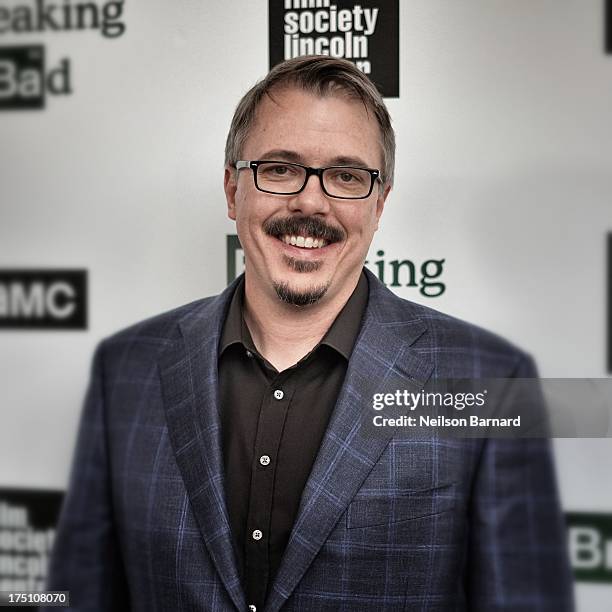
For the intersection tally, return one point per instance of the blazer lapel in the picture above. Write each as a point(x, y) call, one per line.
point(190, 390)
point(382, 358)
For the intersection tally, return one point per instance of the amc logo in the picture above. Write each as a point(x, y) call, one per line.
point(24, 81)
point(43, 299)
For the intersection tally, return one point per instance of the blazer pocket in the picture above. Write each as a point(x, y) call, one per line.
point(368, 511)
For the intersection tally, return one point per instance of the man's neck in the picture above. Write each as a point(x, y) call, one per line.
point(284, 333)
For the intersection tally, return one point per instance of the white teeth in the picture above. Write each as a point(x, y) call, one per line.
point(305, 243)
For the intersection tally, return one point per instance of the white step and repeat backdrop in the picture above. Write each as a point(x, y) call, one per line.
point(113, 117)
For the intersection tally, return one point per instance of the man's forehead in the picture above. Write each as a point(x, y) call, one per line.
point(298, 157)
point(285, 97)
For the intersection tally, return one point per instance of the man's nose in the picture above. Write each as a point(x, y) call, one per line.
point(311, 200)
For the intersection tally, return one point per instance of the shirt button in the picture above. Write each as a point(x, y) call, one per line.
point(278, 394)
point(253, 608)
point(257, 535)
point(249, 354)
point(264, 460)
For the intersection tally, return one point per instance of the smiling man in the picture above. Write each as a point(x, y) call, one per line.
point(224, 460)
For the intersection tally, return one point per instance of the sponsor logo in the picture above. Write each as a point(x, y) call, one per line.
point(27, 530)
point(44, 16)
point(608, 26)
point(43, 299)
point(24, 80)
point(424, 277)
point(590, 546)
point(609, 277)
point(235, 257)
point(366, 32)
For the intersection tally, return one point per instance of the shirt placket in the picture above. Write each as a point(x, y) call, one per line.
point(273, 412)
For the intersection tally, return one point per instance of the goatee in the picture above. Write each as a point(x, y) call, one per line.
point(302, 298)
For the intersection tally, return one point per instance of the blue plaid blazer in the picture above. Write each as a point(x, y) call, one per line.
point(385, 523)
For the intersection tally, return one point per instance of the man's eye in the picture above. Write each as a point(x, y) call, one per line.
point(278, 170)
point(347, 176)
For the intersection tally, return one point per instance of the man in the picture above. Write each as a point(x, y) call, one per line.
point(224, 460)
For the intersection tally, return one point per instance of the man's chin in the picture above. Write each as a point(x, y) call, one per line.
point(300, 296)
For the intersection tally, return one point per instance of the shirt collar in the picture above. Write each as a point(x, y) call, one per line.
point(343, 332)
point(341, 335)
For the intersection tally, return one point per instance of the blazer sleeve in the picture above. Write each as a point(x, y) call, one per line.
point(517, 544)
point(86, 558)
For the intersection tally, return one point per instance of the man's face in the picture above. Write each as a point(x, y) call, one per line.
point(296, 126)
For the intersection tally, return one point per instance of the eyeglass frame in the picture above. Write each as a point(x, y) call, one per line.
point(254, 164)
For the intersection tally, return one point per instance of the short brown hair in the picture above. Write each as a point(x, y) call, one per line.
point(321, 75)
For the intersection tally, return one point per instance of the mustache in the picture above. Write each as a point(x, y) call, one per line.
point(303, 226)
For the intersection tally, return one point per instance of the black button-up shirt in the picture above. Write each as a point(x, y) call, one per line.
point(272, 426)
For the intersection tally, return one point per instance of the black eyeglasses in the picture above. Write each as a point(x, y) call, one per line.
point(284, 178)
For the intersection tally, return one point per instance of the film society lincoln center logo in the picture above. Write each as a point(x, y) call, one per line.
point(366, 32)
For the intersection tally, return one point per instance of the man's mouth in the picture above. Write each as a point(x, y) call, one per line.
point(303, 232)
point(305, 242)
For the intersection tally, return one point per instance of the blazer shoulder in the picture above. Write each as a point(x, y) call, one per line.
point(154, 334)
point(453, 342)
point(496, 355)
point(462, 329)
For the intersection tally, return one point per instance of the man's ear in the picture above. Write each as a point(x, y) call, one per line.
point(380, 202)
point(229, 186)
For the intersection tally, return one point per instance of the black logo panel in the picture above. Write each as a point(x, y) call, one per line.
point(366, 32)
point(22, 77)
point(43, 299)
